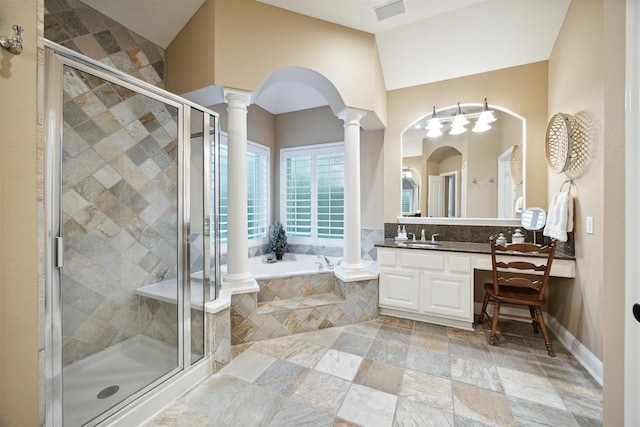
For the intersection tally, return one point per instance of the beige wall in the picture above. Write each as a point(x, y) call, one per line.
point(576, 87)
point(371, 179)
point(586, 78)
point(19, 329)
point(190, 58)
point(252, 40)
point(522, 90)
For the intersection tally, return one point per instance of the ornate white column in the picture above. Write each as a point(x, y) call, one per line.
point(352, 262)
point(238, 272)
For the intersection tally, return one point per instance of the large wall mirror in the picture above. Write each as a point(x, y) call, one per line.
point(472, 170)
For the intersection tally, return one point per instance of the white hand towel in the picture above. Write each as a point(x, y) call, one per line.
point(559, 217)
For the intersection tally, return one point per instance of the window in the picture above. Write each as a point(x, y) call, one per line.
point(258, 179)
point(312, 193)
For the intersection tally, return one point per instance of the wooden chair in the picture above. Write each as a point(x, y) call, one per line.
point(529, 291)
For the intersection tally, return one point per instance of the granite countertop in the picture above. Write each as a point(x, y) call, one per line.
point(481, 248)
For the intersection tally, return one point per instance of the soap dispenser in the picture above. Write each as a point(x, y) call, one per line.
point(501, 240)
point(517, 237)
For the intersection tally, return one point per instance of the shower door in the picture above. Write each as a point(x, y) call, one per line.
point(127, 314)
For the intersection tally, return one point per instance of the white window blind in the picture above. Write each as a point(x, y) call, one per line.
point(312, 191)
point(298, 196)
point(258, 179)
point(330, 192)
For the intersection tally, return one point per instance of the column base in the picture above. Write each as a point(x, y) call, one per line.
point(366, 270)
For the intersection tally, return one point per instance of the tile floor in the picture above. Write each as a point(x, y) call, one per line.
point(394, 372)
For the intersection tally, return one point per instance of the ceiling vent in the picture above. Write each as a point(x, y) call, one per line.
point(389, 10)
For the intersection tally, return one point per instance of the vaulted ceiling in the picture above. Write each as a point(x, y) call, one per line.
point(432, 40)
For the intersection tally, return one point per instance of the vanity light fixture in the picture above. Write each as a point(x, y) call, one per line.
point(481, 126)
point(434, 121)
point(434, 133)
point(487, 115)
point(459, 123)
point(434, 125)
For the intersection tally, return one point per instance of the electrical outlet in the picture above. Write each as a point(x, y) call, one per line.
point(589, 225)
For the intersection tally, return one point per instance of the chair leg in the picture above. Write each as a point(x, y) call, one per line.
point(483, 312)
point(547, 341)
point(534, 321)
point(494, 323)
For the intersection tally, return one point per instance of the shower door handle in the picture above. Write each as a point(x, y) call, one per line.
point(59, 252)
point(207, 226)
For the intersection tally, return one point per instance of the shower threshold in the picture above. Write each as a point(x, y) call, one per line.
point(98, 382)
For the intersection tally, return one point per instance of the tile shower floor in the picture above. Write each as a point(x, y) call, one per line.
point(394, 372)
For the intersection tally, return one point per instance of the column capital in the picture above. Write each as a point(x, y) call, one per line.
point(242, 96)
point(351, 116)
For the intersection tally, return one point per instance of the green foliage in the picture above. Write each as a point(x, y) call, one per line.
point(278, 238)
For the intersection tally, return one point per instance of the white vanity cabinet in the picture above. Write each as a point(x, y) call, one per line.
point(432, 286)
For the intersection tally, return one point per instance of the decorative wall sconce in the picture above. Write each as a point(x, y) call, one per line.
point(13, 44)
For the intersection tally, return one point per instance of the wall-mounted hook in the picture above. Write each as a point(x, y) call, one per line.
point(13, 44)
point(475, 181)
point(491, 180)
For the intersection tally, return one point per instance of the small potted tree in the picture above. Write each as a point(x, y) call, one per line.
point(278, 240)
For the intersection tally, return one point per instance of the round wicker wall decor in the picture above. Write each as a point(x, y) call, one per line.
point(559, 141)
point(516, 164)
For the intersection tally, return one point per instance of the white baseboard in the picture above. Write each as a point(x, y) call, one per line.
point(588, 360)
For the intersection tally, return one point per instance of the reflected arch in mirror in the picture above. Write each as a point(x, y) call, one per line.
point(410, 192)
point(443, 189)
point(480, 151)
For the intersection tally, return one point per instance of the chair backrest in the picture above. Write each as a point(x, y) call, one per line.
point(539, 265)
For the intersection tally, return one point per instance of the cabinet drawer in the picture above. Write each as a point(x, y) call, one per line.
point(423, 261)
point(387, 257)
point(460, 264)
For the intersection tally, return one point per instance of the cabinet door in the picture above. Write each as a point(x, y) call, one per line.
point(400, 289)
point(447, 295)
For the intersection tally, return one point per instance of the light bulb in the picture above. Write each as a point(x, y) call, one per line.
point(434, 132)
point(481, 126)
point(459, 120)
point(434, 123)
point(486, 115)
point(457, 130)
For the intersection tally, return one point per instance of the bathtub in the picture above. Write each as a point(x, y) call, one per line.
point(290, 265)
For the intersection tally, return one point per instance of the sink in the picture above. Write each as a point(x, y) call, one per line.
point(423, 244)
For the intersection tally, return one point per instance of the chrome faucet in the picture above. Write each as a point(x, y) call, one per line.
point(329, 264)
point(433, 237)
point(414, 236)
point(422, 238)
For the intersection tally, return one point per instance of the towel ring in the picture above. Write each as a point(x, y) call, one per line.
point(570, 181)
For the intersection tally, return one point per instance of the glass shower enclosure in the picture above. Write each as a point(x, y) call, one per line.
point(129, 197)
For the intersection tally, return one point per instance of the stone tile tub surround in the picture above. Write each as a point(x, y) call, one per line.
point(235, 317)
point(475, 234)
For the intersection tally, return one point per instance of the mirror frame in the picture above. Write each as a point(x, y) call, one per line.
point(470, 221)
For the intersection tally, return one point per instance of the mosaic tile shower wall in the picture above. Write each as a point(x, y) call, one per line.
point(120, 208)
point(80, 28)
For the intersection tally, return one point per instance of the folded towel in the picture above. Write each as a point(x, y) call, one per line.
point(519, 205)
point(559, 217)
